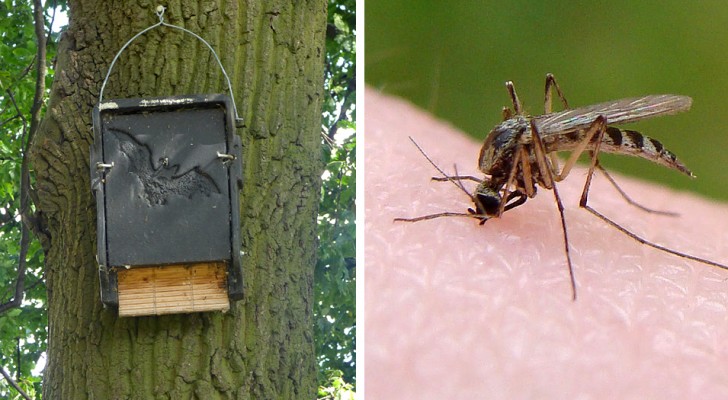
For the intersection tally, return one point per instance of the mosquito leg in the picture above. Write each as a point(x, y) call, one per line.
point(438, 215)
point(629, 200)
point(598, 127)
point(547, 107)
point(460, 182)
point(511, 178)
point(594, 160)
point(457, 177)
point(514, 98)
point(585, 197)
point(454, 181)
point(550, 84)
point(507, 113)
point(651, 244)
point(457, 181)
point(521, 198)
point(554, 163)
point(527, 176)
point(544, 166)
point(566, 242)
point(546, 173)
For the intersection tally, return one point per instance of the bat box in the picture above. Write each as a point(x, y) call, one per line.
point(166, 173)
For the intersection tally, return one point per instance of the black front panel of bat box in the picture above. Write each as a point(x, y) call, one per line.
point(167, 197)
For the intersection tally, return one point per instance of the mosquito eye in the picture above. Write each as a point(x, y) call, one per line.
point(488, 204)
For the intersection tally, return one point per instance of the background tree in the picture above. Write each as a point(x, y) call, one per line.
point(261, 347)
point(23, 328)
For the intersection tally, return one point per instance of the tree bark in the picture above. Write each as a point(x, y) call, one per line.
point(263, 347)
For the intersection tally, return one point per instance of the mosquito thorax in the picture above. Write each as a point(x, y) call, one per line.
point(497, 150)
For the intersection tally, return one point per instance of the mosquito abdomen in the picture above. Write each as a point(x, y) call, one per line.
point(625, 141)
point(621, 141)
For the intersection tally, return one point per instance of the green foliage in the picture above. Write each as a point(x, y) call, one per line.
point(335, 388)
point(340, 80)
point(23, 330)
point(335, 285)
point(334, 280)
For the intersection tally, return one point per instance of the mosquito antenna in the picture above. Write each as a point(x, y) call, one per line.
point(460, 181)
point(448, 177)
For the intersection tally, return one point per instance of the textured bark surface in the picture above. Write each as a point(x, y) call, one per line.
point(263, 347)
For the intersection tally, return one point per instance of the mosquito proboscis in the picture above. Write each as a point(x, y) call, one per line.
point(521, 152)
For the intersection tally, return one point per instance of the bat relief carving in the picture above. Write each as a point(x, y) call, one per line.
point(162, 182)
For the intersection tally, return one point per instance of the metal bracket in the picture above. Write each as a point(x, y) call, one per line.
point(104, 167)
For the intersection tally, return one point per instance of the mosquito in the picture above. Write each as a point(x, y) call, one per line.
point(521, 153)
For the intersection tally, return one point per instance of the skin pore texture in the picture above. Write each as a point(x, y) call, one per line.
point(457, 310)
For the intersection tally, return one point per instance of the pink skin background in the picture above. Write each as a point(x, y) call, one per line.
point(454, 310)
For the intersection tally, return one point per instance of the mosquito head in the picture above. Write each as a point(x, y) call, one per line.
point(487, 200)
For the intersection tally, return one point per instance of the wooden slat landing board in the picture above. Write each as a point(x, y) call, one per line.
point(173, 289)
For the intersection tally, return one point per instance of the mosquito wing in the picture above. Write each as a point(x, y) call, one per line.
point(616, 112)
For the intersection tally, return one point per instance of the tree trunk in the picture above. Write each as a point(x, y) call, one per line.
point(263, 347)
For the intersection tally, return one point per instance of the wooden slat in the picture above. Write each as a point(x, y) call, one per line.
point(173, 289)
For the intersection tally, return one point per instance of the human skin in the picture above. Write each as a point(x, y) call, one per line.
point(458, 310)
